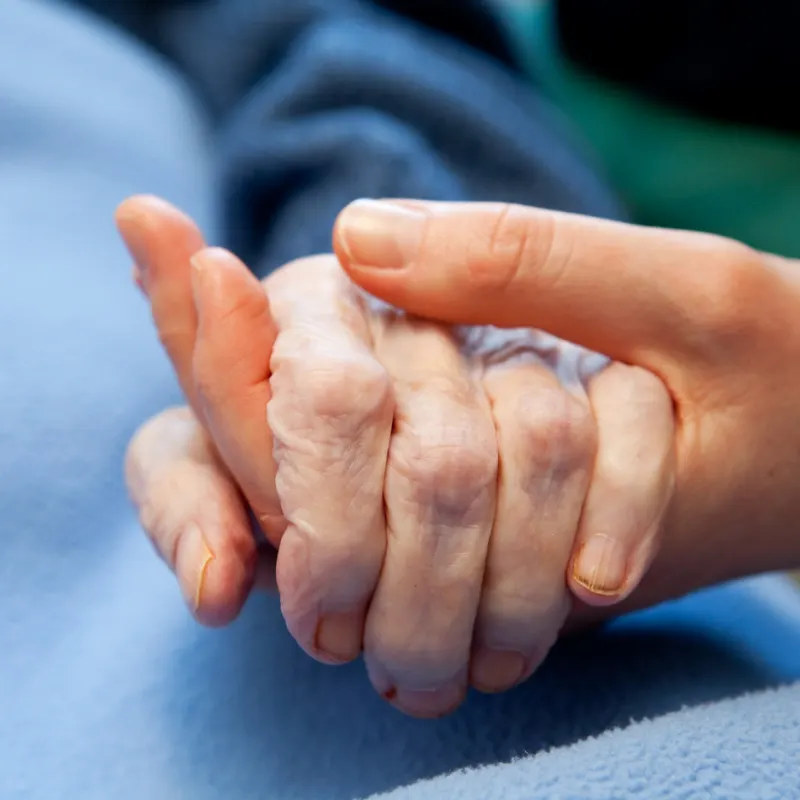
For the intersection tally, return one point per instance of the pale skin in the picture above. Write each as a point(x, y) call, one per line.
point(438, 496)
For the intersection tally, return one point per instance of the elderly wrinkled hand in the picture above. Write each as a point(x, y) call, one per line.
point(436, 495)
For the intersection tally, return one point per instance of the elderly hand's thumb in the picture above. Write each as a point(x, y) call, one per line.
point(632, 293)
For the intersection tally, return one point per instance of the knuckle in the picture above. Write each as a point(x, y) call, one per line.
point(535, 602)
point(730, 291)
point(353, 390)
point(555, 430)
point(526, 580)
point(520, 240)
point(448, 465)
point(646, 391)
point(495, 267)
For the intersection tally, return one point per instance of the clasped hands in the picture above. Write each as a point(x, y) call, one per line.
point(438, 483)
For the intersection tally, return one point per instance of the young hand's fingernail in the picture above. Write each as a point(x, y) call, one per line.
point(199, 266)
point(200, 282)
point(339, 637)
point(494, 671)
point(379, 234)
point(131, 236)
point(193, 559)
point(601, 566)
point(138, 279)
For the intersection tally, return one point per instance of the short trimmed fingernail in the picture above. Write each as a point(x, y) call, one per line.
point(380, 234)
point(339, 637)
point(193, 559)
point(201, 276)
point(494, 671)
point(429, 704)
point(601, 565)
point(135, 245)
point(199, 265)
point(138, 279)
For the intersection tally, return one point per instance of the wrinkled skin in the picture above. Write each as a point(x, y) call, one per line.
point(438, 496)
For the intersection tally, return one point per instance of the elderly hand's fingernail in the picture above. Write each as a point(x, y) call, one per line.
point(339, 637)
point(192, 561)
point(494, 671)
point(601, 566)
point(431, 704)
point(380, 234)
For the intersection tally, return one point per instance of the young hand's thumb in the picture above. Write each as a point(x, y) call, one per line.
point(641, 295)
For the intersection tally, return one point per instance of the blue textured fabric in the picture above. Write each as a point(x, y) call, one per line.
point(107, 688)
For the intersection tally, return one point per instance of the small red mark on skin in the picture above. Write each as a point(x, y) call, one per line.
point(390, 694)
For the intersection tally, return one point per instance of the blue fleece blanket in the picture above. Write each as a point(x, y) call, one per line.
point(107, 688)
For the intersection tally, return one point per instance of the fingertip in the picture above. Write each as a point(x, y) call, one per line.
point(606, 570)
point(158, 236)
point(346, 233)
point(132, 207)
point(134, 215)
point(380, 234)
point(215, 582)
point(496, 671)
point(207, 285)
point(338, 637)
point(338, 241)
point(593, 596)
point(633, 482)
point(140, 204)
point(141, 217)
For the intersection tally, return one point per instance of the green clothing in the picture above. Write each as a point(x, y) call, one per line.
point(672, 169)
